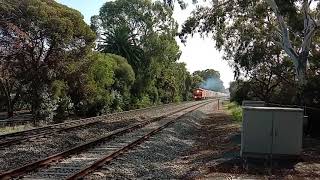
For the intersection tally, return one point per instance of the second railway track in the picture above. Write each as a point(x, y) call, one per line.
point(32, 134)
point(80, 160)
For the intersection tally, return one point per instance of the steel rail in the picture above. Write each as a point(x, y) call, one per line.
point(48, 160)
point(44, 133)
point(107, 159)
point(22, 136)
point(84, 119)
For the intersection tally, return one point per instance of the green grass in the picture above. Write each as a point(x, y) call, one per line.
point(235, 110)
point(12, 129)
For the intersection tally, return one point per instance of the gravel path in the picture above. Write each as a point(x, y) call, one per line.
point(18, 155)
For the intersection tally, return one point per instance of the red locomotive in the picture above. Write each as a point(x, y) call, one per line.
point(201, 93)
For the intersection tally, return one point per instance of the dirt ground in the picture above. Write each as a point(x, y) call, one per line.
point(205, 144)
point(217, 148)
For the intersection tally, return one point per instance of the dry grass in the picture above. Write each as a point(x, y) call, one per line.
point(12, 129)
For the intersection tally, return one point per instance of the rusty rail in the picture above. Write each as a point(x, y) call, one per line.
point(115, 154)
point(48, 160)
point(23, 136)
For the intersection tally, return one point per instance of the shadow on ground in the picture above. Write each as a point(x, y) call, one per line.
point(217, 155)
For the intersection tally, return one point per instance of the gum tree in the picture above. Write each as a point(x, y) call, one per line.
point(142, 31)
point(243, 26)
point(40, 37)
point(311, 24)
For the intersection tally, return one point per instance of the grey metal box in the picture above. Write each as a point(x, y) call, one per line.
point(253, 103)
point(271, 130)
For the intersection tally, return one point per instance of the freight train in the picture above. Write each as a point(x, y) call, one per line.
point(200, 93)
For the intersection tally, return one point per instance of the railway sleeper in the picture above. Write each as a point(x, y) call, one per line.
point(97, 143)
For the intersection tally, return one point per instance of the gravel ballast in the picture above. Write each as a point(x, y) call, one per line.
point(71, 165)
point(162, 157)
point(18, 155)
point(205, 144)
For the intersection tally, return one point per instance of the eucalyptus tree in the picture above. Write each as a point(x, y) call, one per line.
point(196, 81)
point(299, 50)
point(268, 77)
point(96, 83)
point(211, 80)
point(124, 26)
point(40, 37)
point(124, 78)
point(208, 73)
point(242, 26)
point(140, 31)
point(10, 87)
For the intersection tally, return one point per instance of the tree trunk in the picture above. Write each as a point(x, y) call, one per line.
point(299, 60)
point(35, 103)
point(35, 113)
point(302, 68)
point(301, 76)
point(10, 109)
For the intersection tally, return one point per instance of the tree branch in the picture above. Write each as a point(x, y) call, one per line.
point(310, 27)
point(285, 43)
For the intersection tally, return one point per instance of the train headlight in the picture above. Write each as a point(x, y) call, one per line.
point(198, 91)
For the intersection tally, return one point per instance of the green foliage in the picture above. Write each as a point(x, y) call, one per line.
point(239, 91)
point(124, 74)
point(208, 79)
point(144, 102)
point(235, 110)
point(145, 36)
point(59, 90)
point(100, 74)
point(39, 38)
point(270, 81)
point(47, 60)
point(312, 89)
point(181, 81)
point(100, 84)
point(208, 73)
point(124, 77)
point(92, 91)
point(250, 34)
point(265, 87)
point(196, 81)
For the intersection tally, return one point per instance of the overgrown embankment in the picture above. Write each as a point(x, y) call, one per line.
point(235, 111)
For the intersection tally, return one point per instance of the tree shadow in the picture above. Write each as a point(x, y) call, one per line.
point(222, 147)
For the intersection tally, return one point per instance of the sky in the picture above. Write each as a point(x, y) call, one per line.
point(198, 53)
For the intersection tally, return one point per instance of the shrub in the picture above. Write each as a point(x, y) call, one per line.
point(235, 111)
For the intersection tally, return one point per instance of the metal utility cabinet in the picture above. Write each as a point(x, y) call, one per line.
point(253, 103)
point(271, 131)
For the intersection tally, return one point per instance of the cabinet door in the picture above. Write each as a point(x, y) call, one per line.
point(257, 131)
point(287, 137)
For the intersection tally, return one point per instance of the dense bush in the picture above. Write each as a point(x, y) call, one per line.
point(235, 111)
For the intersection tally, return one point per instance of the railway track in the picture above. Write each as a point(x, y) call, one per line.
point(83, 159)
point(33, 134)
point(46, 131)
